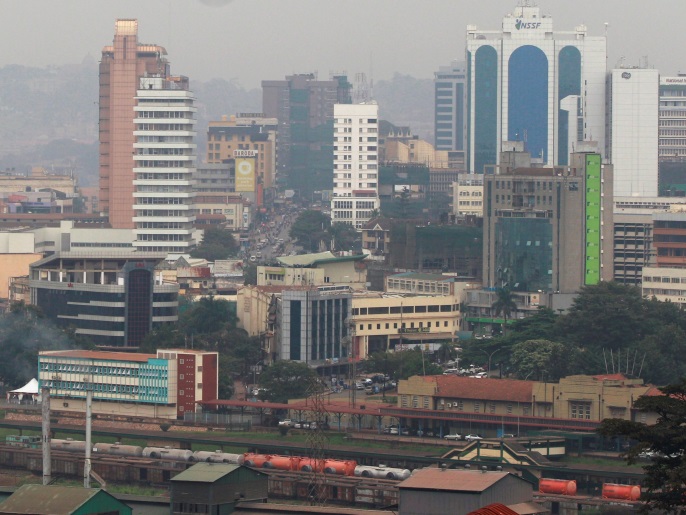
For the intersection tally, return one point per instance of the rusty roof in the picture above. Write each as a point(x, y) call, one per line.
point(458, 387)
point(99, 355)
point(472, 481)
point(50, 500)
point(495, 509)
point(255, 508)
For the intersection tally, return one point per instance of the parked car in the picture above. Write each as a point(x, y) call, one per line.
point(302, 424)
point(471, 438)
point(453, 436)
point(286, 423)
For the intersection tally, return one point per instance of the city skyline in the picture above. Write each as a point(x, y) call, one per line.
point(262, 39)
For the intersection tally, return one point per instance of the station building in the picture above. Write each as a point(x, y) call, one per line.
point(163, 385)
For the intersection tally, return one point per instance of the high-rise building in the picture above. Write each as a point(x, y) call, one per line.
point(528, 83)
point(304, 107)
point(633, 135)
point(450, 108)
point(164, 158)
point(355, 163)
point(549, 229)
point(147, 148)
point(672, 130)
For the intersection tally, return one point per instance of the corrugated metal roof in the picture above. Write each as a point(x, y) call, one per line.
point(99, 355)
point(452, 480)
point(52, 500)
point(206, 472)
point(493, 509)
point(315, 259)
point(255, 508)
point(456, 387)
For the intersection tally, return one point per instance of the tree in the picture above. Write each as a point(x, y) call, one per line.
point(217, 243)
point(542, 360)
point(402, 364)
point(207, 315)
point(286, 380)
point(343, 236)
point(665, 476)
point(250, 274)
point(504, 304)
point(309, 229)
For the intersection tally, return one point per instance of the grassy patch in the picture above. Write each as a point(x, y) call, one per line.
point(606, 462)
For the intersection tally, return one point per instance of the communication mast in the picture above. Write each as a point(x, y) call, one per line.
point(317, 442)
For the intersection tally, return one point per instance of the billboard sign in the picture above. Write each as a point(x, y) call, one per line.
point(245, 174)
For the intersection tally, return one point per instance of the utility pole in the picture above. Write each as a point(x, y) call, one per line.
point(45, 445)
point(89, 441)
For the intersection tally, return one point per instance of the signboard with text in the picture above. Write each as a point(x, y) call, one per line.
point(245, 174)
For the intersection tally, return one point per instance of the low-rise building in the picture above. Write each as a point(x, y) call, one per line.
point(318, 269)
point(392, 321)
point(665, 284)
point(163, 385)
point(468, 192)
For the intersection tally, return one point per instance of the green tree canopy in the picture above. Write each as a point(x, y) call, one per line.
point(344, 236)
point(310, 228)
point(284, 380)
point(665, 476)
point(217, 243)
point(504, 305)
point(542, 360)
point(402, 364)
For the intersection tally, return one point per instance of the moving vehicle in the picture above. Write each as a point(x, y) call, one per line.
point(474, 437)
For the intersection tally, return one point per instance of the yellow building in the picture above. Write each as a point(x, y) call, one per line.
point(256, 311)
point(236, 135)
point(320, 269)
point(382, 320)
point(468, 195)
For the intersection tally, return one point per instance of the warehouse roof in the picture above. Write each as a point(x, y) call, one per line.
point(457, 387)
point(206, 472)
point(53, 500)
point(452, 480)
point(319, 258)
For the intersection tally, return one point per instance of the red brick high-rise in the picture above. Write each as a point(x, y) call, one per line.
point(122, 65)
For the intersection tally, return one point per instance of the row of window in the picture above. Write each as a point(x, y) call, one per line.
point(171, 127)
point(403, 325)
point(662, 279)
point(470, 194)
point(164, 164)
point(106, 388)
point(164, 114)
point(163, 176)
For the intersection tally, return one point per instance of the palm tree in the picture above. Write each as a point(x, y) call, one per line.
point(504, 304)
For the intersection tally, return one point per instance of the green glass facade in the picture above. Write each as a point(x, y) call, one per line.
point(593, 219)
point(485, 108)
point(569, 83)
point(524, 253)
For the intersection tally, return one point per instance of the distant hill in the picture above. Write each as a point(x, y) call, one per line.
point(49, 116)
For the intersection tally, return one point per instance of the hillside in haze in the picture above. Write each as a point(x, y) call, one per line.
point(49, 116)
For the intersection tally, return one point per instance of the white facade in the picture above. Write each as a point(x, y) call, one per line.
point(672, 143)
point(665, 284)
point(468, 194)
point(558, 76)
point(634, 131)
point(165, 157)
point(450, 106)
point(355, 163)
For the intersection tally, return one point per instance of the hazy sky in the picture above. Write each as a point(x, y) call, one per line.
point(251, 40)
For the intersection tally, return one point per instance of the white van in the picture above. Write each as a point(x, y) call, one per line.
point(451, 371)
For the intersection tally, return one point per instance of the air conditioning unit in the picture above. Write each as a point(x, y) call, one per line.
point(450, 405)
point(65, 404)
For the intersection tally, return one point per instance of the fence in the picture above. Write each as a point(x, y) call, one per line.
point(229, 421)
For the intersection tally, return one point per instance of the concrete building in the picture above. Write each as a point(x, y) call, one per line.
point(162, 385)
point(549, 229)
point(39, 179)
point(256, 309)
point(480, 318)
point(467, 194)
point(633, 236)
point(665, 284)
point(634, 114)
point(434, 491)
point(320, 269)
point(669, 239)
point(313, 324)
point(115, 299)
point(355, 164)
point(216, 488)
point(527, 82)
point(66, 500)
point(122, 65)
point(381, 321)
point(304, 107)
point(672, 118)
point(164, 165)
point(246, 135)
point(450, 107)
point(376, 237)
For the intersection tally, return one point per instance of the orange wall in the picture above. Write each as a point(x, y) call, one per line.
point(14, 265)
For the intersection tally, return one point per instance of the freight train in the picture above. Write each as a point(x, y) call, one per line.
point(268, 461)
point(609, 491)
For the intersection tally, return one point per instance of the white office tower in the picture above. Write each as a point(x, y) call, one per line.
point(165, 159)
point(634, 114)
point(528, 83)
point(672, 144)
point(355, 163)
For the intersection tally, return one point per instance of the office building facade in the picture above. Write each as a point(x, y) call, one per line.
point(450, 107)
point(304, 107)
point(549, 229)
point(114, 299)
point(672, 130)
point(164, 165)
point(313, 324)
point(529, 83)
point(355, 163)
point(634, 112)
point(163, 385)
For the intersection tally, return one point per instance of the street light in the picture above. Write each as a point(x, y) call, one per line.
point(489, 360)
